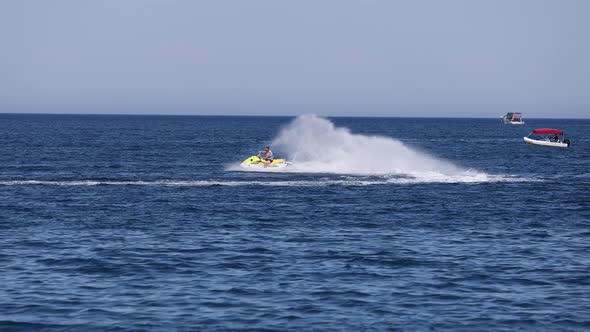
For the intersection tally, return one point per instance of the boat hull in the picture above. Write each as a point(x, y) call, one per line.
point(545, 143)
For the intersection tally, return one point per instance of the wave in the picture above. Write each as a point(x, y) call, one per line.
point(349, 181)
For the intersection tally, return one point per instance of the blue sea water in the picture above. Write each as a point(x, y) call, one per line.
point(133, 223)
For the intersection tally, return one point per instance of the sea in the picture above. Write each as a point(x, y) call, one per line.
point(149, 223)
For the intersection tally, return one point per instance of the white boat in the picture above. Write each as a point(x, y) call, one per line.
point(547, 137)
point(513, 118)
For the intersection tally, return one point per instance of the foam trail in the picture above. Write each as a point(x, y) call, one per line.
point(314, 144)
point(343, 181)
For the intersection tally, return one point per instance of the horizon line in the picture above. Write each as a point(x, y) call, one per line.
point(284, 115)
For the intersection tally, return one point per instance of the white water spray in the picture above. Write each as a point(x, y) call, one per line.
point(313, 144)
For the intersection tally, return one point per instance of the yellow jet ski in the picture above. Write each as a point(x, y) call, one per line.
point(257, 162)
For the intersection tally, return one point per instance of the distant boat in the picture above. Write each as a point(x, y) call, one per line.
point(543, 136)
point(513, 118)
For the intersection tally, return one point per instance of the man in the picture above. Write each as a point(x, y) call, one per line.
point(267, 156)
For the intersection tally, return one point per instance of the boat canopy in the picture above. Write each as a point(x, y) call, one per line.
point(546, 131)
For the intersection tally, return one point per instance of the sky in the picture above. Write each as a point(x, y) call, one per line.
point(471, 58)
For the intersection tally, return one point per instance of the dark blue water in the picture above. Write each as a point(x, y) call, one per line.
point(130, 223)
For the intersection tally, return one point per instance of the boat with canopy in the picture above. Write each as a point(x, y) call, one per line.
point(547, 137)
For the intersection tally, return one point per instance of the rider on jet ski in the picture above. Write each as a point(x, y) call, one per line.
point(268, 156)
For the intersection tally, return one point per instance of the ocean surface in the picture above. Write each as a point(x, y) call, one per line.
point(148, 223)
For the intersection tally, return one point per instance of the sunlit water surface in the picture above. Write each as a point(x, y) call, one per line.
point(117, 223)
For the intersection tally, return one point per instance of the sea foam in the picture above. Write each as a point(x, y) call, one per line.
point(315, 145)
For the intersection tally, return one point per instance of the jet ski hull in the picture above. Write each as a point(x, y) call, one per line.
point(255, 162)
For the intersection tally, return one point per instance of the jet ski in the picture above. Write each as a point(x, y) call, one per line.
point(257, 163)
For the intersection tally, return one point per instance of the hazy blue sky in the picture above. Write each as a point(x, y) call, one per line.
point(330, 57)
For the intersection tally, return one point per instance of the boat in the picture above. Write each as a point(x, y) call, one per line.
point(547, 137)
point(513, 118)
point(255, 162)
